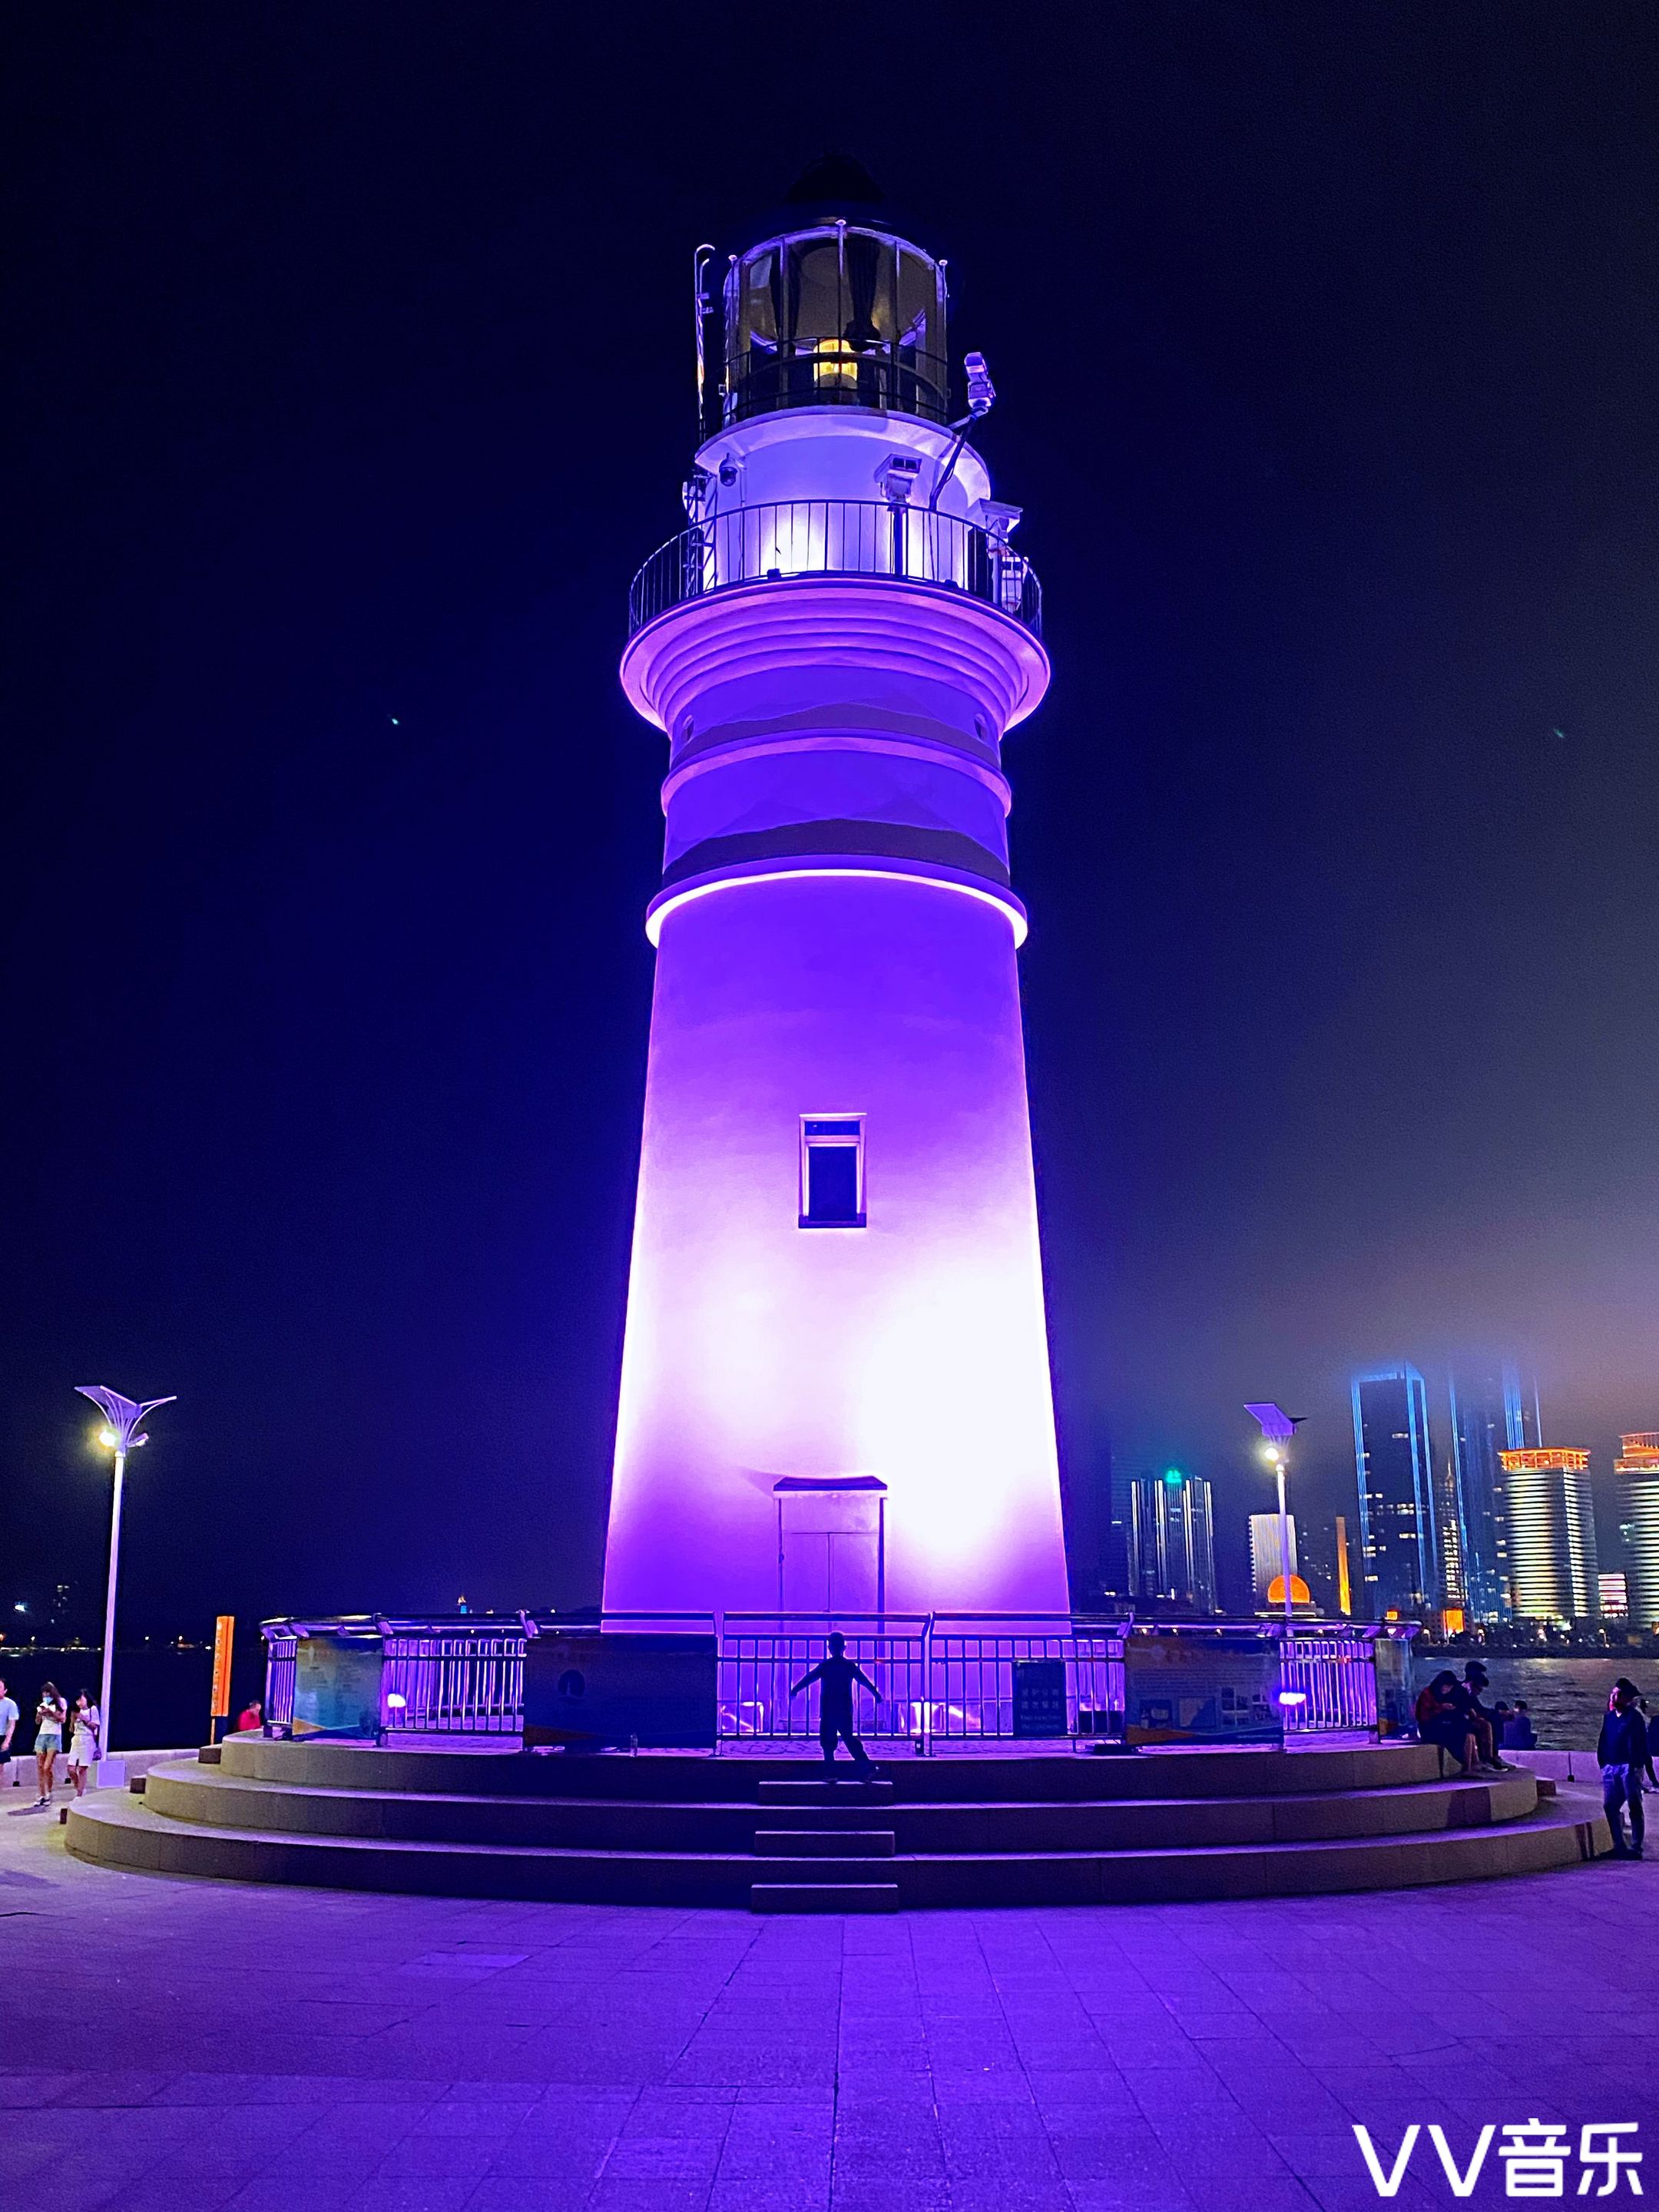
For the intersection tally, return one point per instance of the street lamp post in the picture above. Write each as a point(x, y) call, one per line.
point(119, 1434)
point(1278, 1428)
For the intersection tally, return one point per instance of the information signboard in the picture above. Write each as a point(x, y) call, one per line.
point(1040, 1697)
point(592, 1688)
point(1210, 1689)
point(1396, 1714)
point(337, 1686)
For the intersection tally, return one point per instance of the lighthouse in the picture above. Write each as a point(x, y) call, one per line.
point(835, 1393)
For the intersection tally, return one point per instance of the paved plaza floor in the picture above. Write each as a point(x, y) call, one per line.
point(168, 2045)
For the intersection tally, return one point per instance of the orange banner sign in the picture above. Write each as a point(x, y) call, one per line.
point(224, 1628)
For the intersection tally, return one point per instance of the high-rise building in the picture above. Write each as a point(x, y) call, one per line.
point(1172, 1539)
point(1554, 1570)
point(836, 1390)
point(1267, 1562)
point(1449, 1538)
point(1614, 1587)
point(1395, 1461)
point(1489, 1415)
point(1637, 1469)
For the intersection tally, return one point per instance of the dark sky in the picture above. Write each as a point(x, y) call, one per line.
point(349, 379)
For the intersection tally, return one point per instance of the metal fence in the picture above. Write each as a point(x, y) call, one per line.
point(993, 1676)
point(466, 1681)
point(941, 1677)
point(1327, 1680)
point(764, 1655)
point(836, 537)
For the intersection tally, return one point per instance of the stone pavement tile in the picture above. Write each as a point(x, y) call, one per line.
point(1009, 2193)
point(1218, 2193)
point(1103, 2091)
point(92, 2091)
point(574, 2153)
point(1158, 2190)
point(27, 2090)
point(1099, 2157)
point(1318, 2153)
point(898, 2193)
point(667, 2112)
point(429, 2157)
point(164, 2192)
point(445, 2118)
point(663, 2158)
point(708, 2062)
point(516, 2196)
point(889, 2159)
point(435, 2193)
point(1243, 2157)
point(1005, 2118)
point(663, 2195)
point(1332, 2193)
point(311, 2192)
point(747, 2195)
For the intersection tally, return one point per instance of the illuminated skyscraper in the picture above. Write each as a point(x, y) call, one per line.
point(1172, 1539)
point(1637, 1469)
point(1265, 1564)
point(1394, 1460)
point(1554, 1570)
point(1489, 1415)
point(834, 1387)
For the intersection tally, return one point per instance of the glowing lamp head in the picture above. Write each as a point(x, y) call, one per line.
point(108, 1438)
point(394, 1703)
point(1292, 1697)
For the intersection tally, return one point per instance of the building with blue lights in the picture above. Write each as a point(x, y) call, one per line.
point(1488, 1416)
point(1172, 1540)
point(1394, 1460)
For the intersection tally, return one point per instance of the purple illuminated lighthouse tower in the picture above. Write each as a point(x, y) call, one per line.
point(835, 1386)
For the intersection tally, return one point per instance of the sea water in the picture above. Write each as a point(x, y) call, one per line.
point(1567, 1697)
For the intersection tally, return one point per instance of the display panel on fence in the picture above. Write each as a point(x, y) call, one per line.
point(337, 1686)
point(1217, 1689)
point(1039, 1698)
point(594, 1690)
point(1393, 1662)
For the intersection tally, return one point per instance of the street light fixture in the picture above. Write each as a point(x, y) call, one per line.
point(1278, 1428)
point(119, 1434)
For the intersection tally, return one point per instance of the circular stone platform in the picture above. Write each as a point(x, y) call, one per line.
point(1016, 1828)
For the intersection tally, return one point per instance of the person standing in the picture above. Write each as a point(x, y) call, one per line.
point(1623, 1756)
point(835, 1676)
point(49, 1718)
point(9, 1717)
point(84, 1728)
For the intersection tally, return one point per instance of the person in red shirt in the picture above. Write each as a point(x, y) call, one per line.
point(251, 1717)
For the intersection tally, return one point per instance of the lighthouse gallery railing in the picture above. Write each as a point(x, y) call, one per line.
point(836, 537)
point(941, 1677)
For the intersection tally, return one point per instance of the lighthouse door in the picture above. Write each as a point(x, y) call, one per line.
point(829, 1544)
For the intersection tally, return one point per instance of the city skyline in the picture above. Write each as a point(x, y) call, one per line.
point(328, 810)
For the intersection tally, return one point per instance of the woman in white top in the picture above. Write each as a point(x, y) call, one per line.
point(84, 1725)
point(49, 1718)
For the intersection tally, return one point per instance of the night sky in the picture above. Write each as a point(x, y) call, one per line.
point(348, 352)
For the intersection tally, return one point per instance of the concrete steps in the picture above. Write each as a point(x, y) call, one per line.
point(944, 1836)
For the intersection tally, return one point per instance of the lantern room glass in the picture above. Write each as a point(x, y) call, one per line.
point(835, 316)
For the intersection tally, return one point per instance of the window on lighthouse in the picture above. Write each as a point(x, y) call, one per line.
point(832, 1171)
